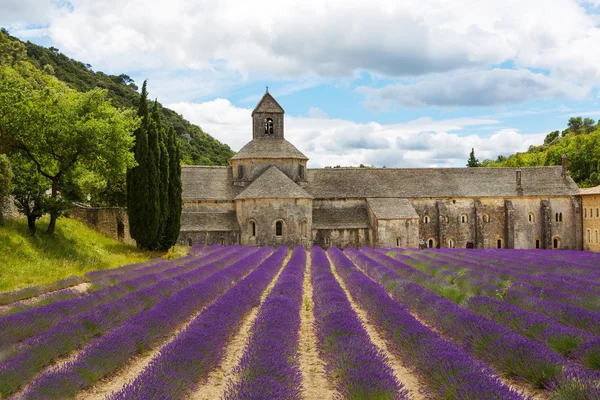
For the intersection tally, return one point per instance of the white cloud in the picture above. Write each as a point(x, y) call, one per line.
point(473, 89)
point(422, 142)
point(316, 112)
point(316, 38)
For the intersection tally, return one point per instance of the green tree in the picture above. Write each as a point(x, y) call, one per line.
point(29, 189)
point(472, 161)
point(162, 171)
point(59, 129)
point(5, 178)
point(142, 194)
point(551, 136)
point(575, 124)
point(588, 125)
point(173, 223)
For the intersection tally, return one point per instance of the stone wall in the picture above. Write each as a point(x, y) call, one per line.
point(342, 238)
point(266, 212)
point(225, 238)
point(591, 222)
point(110, 221)
point(398, 233)
point(9, 210)
point(520, 222)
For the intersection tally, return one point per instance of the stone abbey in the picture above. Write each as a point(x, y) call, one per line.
point(269, 196)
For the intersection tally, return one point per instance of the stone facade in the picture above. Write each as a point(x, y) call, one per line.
point(590, 203)
point(268, 196)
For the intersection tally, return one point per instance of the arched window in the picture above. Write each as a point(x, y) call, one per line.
point(327, 241)
point(252, 228)
point(556, 242)
point(301, 171)
point(222, 241)
point(397, 242)
point(556, 217)
point(279, 228)
point(560, 217)
point(426, 219)
point(531, 217)
point(537, 243)
point(486, 218)
point(240, 171)
point(431, 243)
point(303, 227)
point(596, 233)
point(268, 126)
point(499, 243)
point(464, 218)
point(597, 212)
point(451, 243)
point(189, 241)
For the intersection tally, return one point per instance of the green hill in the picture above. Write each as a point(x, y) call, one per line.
point(72, 250)
point(198, 147)
point(580, 141)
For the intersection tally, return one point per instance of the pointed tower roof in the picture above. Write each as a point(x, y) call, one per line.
point(268, 104)
point(273, 184)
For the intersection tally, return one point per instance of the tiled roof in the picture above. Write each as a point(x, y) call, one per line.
point(207, 221)
point(436, 182)
point(592, 190)
point(340, 217)
point(208, 183)
point(215, 183)
point(273, 184)
point(392, 208)
point(268, 103)
point(269, 148)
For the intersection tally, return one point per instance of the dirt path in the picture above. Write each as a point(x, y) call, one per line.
point(402, 373)
point(315, 384)
point(213, 387)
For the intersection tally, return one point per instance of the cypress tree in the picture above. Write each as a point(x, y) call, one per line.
point(173, 224)
point(163, 174)
point(142, 194)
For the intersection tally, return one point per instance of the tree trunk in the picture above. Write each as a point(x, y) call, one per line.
point(52, 224)
point(31, 224)
point(53, 213)
point(1, 215)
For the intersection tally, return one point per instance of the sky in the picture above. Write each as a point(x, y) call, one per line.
point(412, 83)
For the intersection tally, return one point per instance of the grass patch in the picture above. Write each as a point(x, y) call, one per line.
point(73, 250)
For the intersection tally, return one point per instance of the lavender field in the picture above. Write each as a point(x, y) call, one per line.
point(263, 323)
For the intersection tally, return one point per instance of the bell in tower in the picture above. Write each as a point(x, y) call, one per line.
point(267, 119)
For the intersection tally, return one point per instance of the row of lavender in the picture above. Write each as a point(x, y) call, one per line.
point(199, 349)
point(270, 366)
point(448, 370)
point(568, 330)
point(140, 333)
point(35, 338)
point(508, 352)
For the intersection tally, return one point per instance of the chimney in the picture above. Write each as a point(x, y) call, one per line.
point(519, 187)
point(565, 171)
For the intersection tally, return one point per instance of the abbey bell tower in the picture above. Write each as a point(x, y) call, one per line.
point(268, 147)
point(267, 119)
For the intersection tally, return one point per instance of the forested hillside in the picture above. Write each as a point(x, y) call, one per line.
point(580, 141)
point(197, 147)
